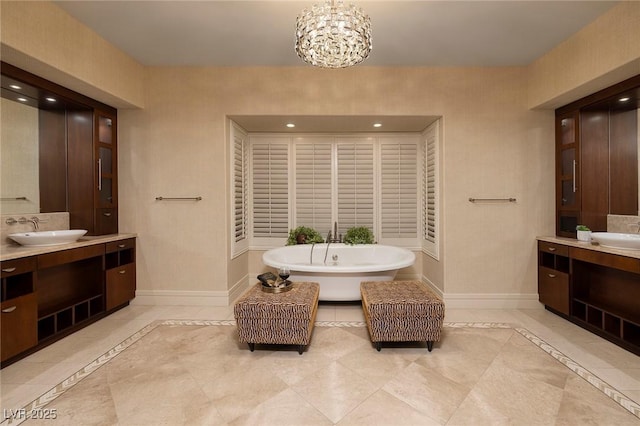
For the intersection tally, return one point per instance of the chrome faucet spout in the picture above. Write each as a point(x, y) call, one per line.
point(35, 222)
point(311, 257)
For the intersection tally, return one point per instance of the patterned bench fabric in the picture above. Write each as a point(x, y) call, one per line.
point(402, 311)
point(281, 318)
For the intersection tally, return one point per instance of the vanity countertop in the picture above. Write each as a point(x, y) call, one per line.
point(571, 242)
point(16, 251)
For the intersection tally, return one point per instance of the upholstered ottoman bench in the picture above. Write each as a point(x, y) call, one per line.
point(277, 318)
point(401, 311)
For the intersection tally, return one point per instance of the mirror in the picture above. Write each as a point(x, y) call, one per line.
point(19, 154)
point(34, 121)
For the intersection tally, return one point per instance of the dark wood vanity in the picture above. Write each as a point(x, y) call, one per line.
point(47, 293)
point(597, 144)
point(54, 292)
point(594, 287)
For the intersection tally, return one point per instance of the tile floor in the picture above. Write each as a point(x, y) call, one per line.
point(29, 378)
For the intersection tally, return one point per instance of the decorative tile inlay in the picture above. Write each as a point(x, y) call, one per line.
point(37, 406)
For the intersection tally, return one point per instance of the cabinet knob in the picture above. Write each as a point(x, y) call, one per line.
point(122, 245)
point(552, 249)
point(124, 271)
point(106, 214)
point(8, 269)
point(552, 275)
point(9, 310)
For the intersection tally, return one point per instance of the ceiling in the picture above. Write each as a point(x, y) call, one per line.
point(405, 33)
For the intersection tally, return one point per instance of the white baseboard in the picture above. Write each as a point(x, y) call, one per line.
point(492, 301)
point(486, 300)
point(191, 298)
point(227, 298)
point(181, 298)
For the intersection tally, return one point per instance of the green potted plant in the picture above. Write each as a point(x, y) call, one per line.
point(304, 235)
point(359, 235)
point(584, 233)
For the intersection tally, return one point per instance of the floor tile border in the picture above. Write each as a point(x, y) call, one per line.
point(39, 403)
point(626, 402)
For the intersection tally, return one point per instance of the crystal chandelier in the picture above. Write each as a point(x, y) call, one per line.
point(332, 35)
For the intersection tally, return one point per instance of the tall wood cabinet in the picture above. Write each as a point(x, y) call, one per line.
point(92, 171)
point(568, 186)
point(106, 181)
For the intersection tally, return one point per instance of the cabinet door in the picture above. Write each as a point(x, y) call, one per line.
point(106, 198)
point(105, 146)
point(121, 285)
point(568, 202)
point(553, 289)
point(18, 325)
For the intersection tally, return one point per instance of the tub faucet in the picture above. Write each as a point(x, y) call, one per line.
point(334, 237)
point(311, 257)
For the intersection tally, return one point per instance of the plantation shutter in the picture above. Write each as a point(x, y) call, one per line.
point(270, 169)
point(430, 188)
point(313, 185)
point(399, 189)
point(240, 186)
point(355, 185)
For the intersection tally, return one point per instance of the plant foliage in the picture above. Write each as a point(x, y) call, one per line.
point(359, 235)
point(311, 235)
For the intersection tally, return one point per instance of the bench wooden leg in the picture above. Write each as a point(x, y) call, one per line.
point(252, 346)
point(430, 345)
point(378, 346)
point(300, 349)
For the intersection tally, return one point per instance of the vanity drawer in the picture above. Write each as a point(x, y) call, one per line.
point(18, 266)
point(68, 256)
point(106, 221)
point(558, 249)
point(121, 245)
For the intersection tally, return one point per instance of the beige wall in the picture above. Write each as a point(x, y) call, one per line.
point(42, 38)
point(494, 145)
point(603, 53)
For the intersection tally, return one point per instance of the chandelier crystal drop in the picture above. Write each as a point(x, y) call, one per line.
point(332, 35)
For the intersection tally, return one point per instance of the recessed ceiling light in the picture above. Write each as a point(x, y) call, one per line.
point(291, 125)
point(15, 86)
point(377, 124)
point(22, 99)
point(625, 99)
point(51, 99)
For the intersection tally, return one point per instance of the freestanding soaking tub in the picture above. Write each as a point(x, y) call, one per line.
point(339, 268)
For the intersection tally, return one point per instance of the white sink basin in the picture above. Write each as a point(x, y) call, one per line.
point(48, 238)
point(617, 240)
